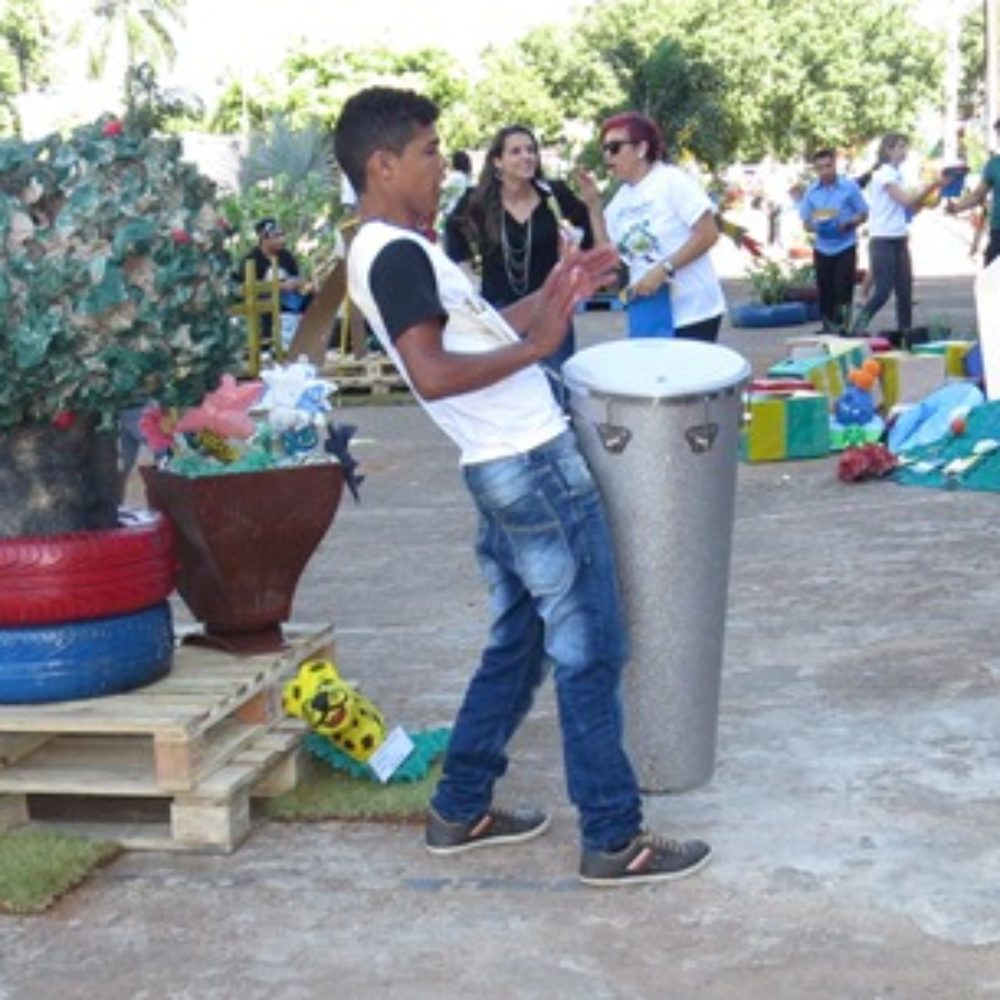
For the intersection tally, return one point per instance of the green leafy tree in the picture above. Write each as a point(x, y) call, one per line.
point(513, 91)
point(783, 77)
point(26, 31)
point(312, 85)
point(9, 120)
point(573, 75)
point(972, 53)
point(687, 94)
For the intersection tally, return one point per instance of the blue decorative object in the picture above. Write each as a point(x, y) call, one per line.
point(338, 444)
point(954, 181)
point(300, 441)
point(855, 406)
point(651, 315)
point(782, 314)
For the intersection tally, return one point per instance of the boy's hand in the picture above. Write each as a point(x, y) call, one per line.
point(597, 267)
point(576, 277)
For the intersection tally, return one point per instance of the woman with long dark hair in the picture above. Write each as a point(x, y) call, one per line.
point(517, 223)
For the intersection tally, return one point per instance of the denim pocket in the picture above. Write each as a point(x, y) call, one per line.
point(512, 496)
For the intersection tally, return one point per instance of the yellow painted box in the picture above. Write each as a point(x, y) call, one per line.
point(784, 426)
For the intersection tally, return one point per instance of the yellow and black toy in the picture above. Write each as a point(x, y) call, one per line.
point(332, 707)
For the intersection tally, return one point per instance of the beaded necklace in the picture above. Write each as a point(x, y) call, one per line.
point(516, 259)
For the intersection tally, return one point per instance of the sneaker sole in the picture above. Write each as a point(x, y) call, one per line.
point(497, 841)
point(615, 881)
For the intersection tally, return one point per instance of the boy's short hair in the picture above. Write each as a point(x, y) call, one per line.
point(826, 153)
point(378, 118)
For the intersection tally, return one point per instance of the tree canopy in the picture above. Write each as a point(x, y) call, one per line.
point(727, 79)
point(742, 78)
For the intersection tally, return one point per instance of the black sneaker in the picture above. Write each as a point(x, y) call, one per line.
point(495, 826)
point(646, 859)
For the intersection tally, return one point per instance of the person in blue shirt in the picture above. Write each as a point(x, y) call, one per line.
point(833, 208)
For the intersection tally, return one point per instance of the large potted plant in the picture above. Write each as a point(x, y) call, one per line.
point(114, 289)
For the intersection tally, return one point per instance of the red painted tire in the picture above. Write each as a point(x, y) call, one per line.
point(87, 574)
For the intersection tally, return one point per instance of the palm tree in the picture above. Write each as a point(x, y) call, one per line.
point(140, 25)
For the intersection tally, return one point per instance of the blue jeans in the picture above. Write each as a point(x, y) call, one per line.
point(546, 553)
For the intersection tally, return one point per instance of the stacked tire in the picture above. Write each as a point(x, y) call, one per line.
point(86, 614)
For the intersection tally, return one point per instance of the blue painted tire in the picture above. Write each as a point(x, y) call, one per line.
point(85, 659)
point(782, 314)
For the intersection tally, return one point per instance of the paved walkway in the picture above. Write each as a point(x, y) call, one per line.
point(854, 807)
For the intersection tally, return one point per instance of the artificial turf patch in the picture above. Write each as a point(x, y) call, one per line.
point(37, 867)
point(330, 794)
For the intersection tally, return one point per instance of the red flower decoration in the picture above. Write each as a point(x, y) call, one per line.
point(870, 461)
point(64, 420)
point(113, 128)
point(180, 236)
point(157, 428)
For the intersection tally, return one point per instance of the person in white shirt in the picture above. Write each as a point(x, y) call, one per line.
point(663, 225)
point(891, 208)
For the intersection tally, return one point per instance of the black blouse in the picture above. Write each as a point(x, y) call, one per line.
point(544, 250)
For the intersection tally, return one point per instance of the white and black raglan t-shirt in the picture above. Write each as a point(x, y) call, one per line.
point(398, 279)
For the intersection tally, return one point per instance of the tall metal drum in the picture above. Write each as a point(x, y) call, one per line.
point(659, 423)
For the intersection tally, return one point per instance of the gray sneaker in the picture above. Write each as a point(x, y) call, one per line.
point(647, 858)
point(495, 826)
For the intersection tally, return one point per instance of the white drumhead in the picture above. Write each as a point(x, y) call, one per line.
point(655, 367)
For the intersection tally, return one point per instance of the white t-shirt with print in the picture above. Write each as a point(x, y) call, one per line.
point(887, 218)
point(508, 418)
point(649, 221)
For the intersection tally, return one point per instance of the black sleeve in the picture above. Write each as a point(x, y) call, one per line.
point(574, 209)
point(456, 240)
point(404, 287)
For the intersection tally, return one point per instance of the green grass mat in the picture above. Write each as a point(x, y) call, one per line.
point(329, 794)
point(37, 867)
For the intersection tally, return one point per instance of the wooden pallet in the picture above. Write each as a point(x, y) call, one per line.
point(203, 741)
point(374, 375)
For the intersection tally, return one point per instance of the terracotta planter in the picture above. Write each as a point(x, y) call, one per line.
point(243, 541)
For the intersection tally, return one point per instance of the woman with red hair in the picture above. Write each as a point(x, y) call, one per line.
point(663, 224)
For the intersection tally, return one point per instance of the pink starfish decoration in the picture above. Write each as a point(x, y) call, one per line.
point(224, 410)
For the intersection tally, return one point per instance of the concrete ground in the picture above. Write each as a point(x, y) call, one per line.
point(853, 810)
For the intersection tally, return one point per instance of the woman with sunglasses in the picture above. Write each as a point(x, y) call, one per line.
point(663, 224)
point(518, 223)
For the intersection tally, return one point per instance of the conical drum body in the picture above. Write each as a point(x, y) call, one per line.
point(659, 424)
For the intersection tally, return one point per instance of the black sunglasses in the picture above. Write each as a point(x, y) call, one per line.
point(614, 147)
